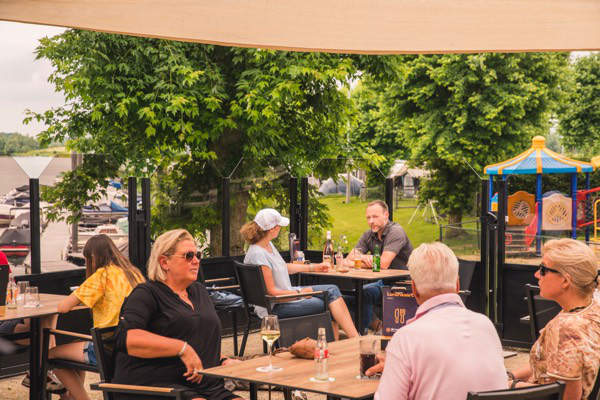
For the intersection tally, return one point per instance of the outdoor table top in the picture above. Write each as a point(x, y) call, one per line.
point(48, 306)
point(362, 274)
point(343, 365)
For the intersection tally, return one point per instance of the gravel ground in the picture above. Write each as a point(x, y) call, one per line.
point(11, 389)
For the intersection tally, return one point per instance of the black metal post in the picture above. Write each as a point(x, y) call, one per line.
point(389, 196)
point(499, 271)
point(225, 217)
point(303, 213)
point(484, 245)
point(145, 239)
point(34, 225)
point(132, 220)
point(294, 215)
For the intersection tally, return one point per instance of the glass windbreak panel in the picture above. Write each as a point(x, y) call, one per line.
point(256, 185)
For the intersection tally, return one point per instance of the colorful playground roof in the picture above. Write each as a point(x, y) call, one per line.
point(538, 160)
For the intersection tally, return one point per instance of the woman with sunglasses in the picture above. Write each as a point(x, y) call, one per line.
point(169, 330)
point(259, 233)
point(110, 277)
point(568, 348)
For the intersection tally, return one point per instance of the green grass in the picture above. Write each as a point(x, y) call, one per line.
point(350, 220)
point(59, 151)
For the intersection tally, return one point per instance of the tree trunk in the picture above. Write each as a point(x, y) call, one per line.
point(238, 214)
point(454, 227)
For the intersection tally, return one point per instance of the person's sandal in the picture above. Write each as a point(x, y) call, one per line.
point(53, 385)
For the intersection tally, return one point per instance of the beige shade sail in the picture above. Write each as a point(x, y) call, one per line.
point(348, 26)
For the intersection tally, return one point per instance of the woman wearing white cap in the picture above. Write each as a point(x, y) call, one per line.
point(259, 233)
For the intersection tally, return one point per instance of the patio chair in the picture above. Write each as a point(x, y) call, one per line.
point(552, 391)
point(466, 270)
point(541, 310)
point(227, 284)
point(104, 344)
point(254, 292)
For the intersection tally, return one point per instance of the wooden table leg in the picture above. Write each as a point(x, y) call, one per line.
point(35, 379)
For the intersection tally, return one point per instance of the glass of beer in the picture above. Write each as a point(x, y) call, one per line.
point(357, 255)
point(369, 347)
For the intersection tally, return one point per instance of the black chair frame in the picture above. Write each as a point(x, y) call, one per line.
point(60, 363)
point(104, 345)
point(540, 310)
point(229, 285)
point(551, 391)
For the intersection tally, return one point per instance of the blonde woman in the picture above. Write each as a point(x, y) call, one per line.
point(169, 328)
point(568, 348)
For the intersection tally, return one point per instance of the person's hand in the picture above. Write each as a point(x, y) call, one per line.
point(377, 368)
point(193, 365)
point(367, 261)
point(230, 361)
point(321, 267)
point(306, 289)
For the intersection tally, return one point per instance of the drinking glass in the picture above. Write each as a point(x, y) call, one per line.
point(22, 287)
point(328, 261)
point(369, 348)
point(357, 256)
point(32, 297)
point(269, 330)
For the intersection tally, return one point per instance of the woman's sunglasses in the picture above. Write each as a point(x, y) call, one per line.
point(189, 256)
point(544, 270)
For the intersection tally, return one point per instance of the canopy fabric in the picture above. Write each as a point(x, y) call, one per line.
point(538, 160)
point(345, 26)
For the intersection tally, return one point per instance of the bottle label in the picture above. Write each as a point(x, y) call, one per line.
point(321, 354)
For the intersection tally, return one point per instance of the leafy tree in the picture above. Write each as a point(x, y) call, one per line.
point(13, 143)
point(186, 113)
point(580, 118)
point(454, 110)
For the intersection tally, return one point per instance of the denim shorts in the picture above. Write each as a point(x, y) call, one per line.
point(89, 354)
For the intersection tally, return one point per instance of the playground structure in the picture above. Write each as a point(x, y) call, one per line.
point(528, 214)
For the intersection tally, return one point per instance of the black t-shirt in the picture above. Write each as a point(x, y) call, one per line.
point(154, 307)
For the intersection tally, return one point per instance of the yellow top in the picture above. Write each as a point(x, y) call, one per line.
point(104, 293)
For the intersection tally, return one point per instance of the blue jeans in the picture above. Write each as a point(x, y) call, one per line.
point(371, 298)
point(307, 306)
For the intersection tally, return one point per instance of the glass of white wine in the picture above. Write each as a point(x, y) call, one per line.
point(269, 330)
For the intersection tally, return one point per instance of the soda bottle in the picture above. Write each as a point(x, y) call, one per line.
point(321, 356)
point(11, 295)
point(328, 251)
point(376, 260)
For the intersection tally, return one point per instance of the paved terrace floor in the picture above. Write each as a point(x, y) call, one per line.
point(11, 389)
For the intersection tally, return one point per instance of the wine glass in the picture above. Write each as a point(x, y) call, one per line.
point(269, 330)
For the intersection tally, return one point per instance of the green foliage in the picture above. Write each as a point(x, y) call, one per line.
point(476, 109)
point(14, 143)
point(580, 117)
point(187, 113)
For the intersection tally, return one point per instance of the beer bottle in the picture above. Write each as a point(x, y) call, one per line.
point(376, 260)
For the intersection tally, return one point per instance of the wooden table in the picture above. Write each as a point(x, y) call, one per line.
point(48, 306)
point(343, 365)
point(360, 277)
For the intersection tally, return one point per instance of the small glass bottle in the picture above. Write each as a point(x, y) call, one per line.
point(321, 356)
point(339, 258)
point(11, 293)
point(376, 260)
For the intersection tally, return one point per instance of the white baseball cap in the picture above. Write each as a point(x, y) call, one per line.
point(268, 218)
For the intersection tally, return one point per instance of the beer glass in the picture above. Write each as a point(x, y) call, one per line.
point(369, 347)
point(357, 256)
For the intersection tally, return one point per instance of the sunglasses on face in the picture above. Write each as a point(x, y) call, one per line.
point(189, 256)
point(544, 270)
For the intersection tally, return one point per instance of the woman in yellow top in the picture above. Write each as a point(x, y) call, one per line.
point(110, 277)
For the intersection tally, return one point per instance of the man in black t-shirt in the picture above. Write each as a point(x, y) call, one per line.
point(393, 243)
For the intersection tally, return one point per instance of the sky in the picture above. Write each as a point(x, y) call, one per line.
point(24, 80)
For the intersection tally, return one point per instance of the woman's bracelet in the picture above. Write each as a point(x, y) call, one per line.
point(513, 385)
point(182, 349)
